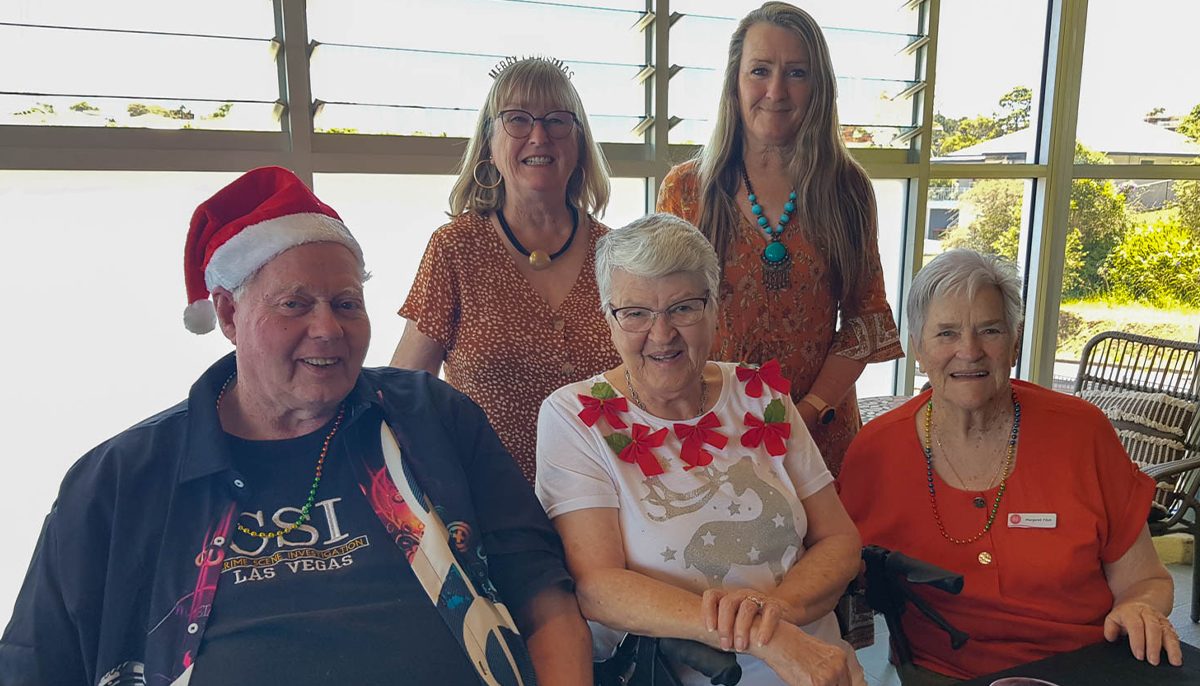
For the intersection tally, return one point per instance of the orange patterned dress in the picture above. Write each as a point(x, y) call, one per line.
point(505, 348)
point(797, 325)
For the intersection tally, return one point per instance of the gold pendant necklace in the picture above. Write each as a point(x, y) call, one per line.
point(539, 259)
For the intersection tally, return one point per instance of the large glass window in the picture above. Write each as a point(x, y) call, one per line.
point(870, 56)
point(431, 62)
point(97, 332)
point(989, 72)
point(1139, 100)
point(138, 64)
point(891, 197)
point(1132, 264)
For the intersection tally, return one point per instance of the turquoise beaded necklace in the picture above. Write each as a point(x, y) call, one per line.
point(776, 260)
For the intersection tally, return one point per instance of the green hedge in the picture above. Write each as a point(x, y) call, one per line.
point(1157, 264)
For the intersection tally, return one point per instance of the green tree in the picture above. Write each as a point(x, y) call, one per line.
point(994, 208)
point(137, 109)
point(952, 134)
point(1190, 124)
point(1016, 105)
point(970, 131)
point(1187, 195)
point(1187, 191)
point(1158, 264)
point(1099, 216)
point(83, 106)
point(221, 112)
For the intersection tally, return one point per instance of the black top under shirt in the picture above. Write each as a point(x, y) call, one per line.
point(333, 601)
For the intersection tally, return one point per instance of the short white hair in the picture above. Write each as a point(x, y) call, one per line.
point(654, 246)
point(960, 271)
point(240, 290)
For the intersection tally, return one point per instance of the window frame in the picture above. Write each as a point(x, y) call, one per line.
point(297, 147)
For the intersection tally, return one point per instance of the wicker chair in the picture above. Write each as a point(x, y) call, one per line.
point(1115, 361)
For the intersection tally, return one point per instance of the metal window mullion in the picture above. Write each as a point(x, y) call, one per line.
point(918, 190)
point(658, 53)
point(295, 88)
point(1056, 149)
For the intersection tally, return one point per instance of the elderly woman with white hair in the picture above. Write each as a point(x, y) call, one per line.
point(1025, 491)
point(689, 495)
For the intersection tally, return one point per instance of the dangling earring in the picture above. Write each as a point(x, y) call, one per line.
point(475, 174)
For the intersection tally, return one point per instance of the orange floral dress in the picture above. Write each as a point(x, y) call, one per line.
point(797, 325)
point(505, 348)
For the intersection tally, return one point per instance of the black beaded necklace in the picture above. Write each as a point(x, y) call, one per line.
point(538, 259)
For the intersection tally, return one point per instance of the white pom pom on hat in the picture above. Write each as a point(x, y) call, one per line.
point(245, 225)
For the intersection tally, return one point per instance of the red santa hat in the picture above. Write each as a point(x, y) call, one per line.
point(245, 225)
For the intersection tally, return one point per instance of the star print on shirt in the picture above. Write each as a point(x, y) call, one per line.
point(754, 554)
point(778, 520)
point(668, 554)
point(735, 508)
point(709, 538)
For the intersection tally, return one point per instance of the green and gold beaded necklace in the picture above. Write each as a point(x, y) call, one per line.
point(306, 509)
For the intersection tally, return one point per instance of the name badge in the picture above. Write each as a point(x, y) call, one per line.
point(1032, 520)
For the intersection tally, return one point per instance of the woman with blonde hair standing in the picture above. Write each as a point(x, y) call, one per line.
point(506, 296)
point(793, 219)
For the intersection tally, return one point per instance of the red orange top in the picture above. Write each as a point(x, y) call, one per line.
point(1028, 593)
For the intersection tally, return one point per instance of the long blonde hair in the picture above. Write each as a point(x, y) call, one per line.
point(531, 80)
point(835, 203)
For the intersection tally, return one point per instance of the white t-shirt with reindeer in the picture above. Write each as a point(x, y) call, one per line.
point(707, 502)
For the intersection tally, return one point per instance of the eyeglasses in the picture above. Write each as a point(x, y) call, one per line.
point(641, 319)
point(519, 123)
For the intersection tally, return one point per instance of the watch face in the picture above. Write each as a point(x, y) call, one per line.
point(828, 415)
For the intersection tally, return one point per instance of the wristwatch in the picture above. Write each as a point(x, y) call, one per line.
point(825, 411)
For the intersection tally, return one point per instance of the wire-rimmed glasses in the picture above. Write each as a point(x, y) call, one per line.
point(519, 123)
point(641, 319)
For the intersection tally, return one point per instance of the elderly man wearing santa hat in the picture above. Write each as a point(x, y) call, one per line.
point(298, 519)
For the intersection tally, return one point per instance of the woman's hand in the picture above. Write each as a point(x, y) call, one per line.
point(801, 660)
point(1149, 632)
point(731, 613)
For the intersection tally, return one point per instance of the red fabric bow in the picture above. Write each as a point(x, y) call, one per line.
point(774, 434)
point(639, 449)
point(694, 436)
point(770, 373)
point(611, 408)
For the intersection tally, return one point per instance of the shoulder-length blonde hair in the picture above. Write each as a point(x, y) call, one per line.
point(531, 80)
point(835, 203)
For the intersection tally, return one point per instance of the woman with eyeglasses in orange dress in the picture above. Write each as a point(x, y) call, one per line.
point(505, 297)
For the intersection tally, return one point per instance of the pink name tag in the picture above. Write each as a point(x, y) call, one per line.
point(1032, 520)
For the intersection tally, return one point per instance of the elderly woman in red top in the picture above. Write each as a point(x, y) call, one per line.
point(1025, 491)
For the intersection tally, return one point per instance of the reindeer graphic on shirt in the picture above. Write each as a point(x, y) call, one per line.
point(719, 544)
